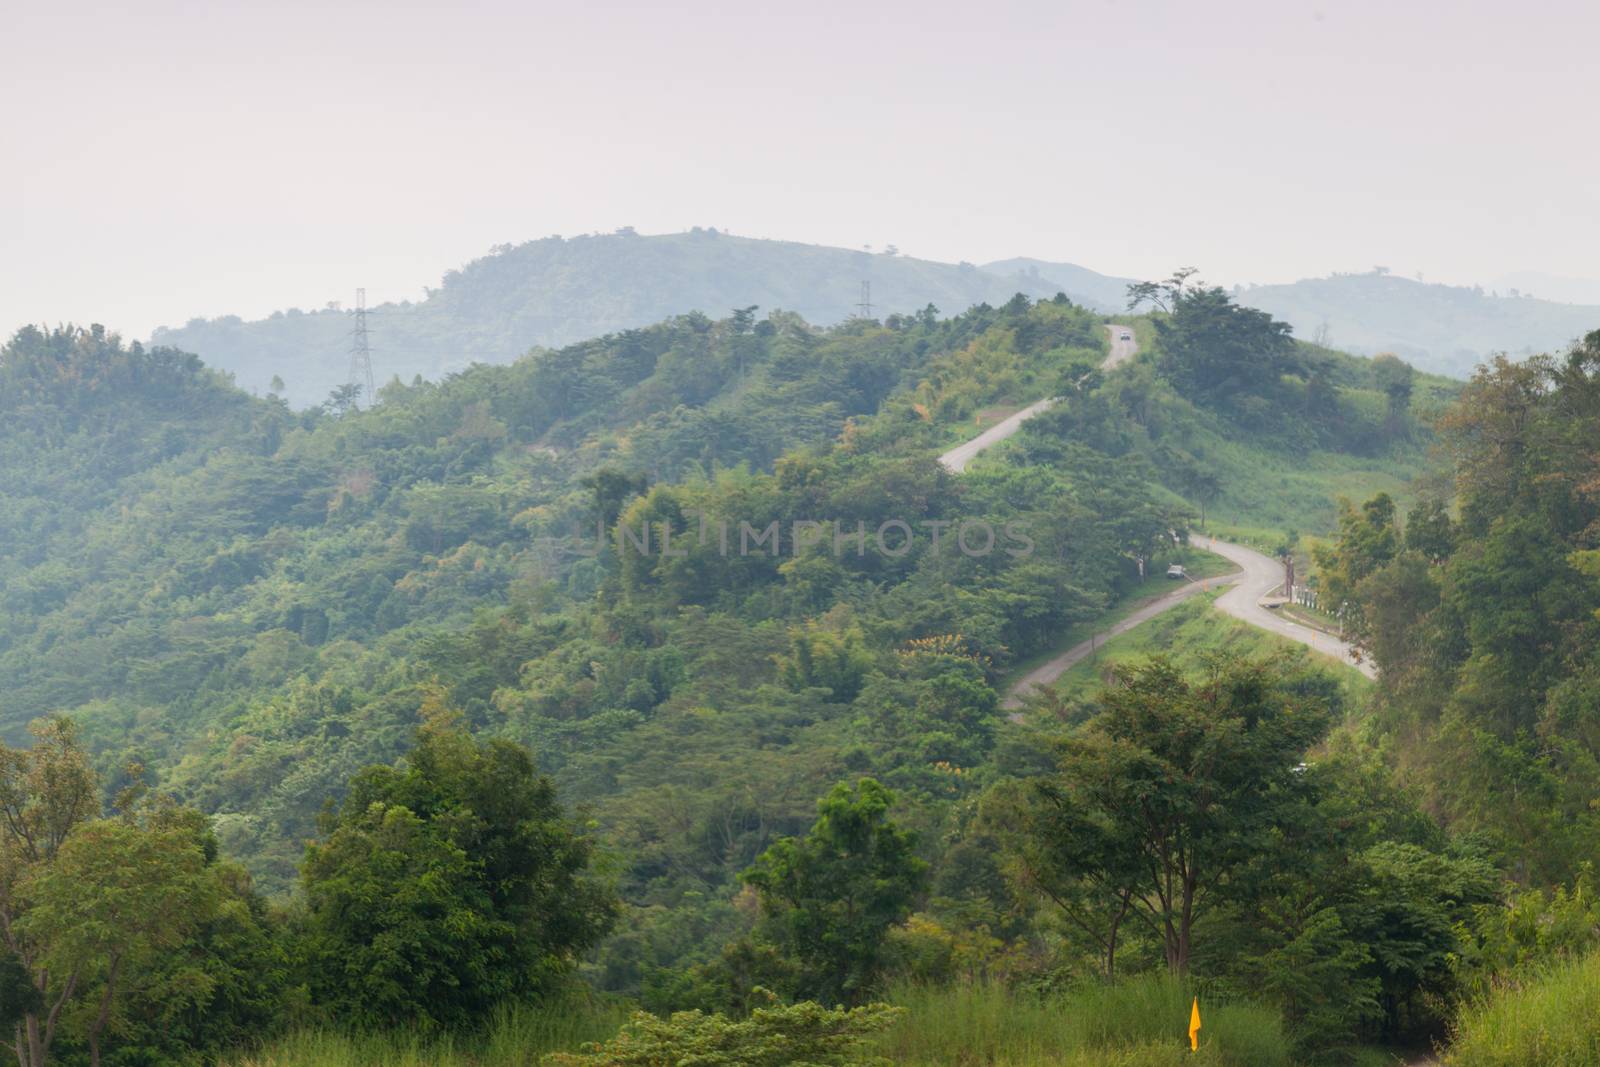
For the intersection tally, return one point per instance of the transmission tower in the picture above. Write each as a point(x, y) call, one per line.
point(864, 309)
point(361, 353)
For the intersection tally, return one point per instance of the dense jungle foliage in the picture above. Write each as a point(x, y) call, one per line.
point(402, 724)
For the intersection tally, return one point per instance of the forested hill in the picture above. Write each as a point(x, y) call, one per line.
point(240, 607)
point(250, 599)
point(553, 292)
point(258, 603)
point(1447, 329)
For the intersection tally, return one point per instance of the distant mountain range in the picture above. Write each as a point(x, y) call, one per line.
point(556, 291)
point(1447, 329)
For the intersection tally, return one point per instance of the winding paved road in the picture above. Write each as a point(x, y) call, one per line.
point(956, 460)
point(1258, 575)
point(1263, 575)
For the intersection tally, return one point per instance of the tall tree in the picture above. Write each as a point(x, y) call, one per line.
point(116, 890)
point(1222, 354)
point(448, 885)
point(831, 896)
point(1174, 786)
point(1397, 380)
point(1368, 539)
point(46, 792)
point(1163, 295)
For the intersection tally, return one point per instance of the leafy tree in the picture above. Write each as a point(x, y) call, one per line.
point(343, 400)
point(46, 792)
point(1160, 798)
point(1412, 909)
point(612, 489)
point(447, 885)
point(225, 985)
point(1341, 920)
point(1163, 295)
point(1430, 531)
point(1203, 484)
point(831, 897)
point(1223, 354)
point(1397, 379)
point(116, 891)
point(1368, 539)
point(827, 658)
point(88, 905)
point(1314, 972)
point(1086, 866)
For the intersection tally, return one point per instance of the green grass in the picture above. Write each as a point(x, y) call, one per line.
point(1552, 1020)
point(518, 1037)
point(1267, 493)
point(1136, 1022)
point(1261, 538)
point(1139, 1022)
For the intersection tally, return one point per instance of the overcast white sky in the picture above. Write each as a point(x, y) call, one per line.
point(171, 159)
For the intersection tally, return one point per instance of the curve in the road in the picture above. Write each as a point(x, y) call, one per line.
point(1258, 575)
point(1123, 348)
point(957, 458)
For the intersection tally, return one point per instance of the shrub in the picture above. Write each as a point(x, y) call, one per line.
point(800, 1035)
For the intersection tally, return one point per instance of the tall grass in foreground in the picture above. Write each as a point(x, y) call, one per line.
point(517, 1037)
point(1139, 1022)
point(1142, 1022)
point(1552, 1020)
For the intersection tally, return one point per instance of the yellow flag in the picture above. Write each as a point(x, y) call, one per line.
point(1194, 1026)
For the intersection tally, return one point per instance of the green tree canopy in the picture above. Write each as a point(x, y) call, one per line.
point(1222, 354)
point(448, 884)
point(117, 891)
point(831, 896)
point(1173, 787)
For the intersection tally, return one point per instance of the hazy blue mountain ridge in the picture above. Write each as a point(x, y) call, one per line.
point(1447, 329)
point(555, 291)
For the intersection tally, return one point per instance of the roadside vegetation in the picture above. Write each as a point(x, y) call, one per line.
point(1546, 1018)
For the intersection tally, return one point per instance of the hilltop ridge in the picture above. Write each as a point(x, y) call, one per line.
point(555, 291)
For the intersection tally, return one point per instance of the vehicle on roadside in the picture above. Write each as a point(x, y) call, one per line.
point(1177, 571)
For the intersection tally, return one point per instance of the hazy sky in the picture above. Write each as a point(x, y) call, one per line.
point(165, 160)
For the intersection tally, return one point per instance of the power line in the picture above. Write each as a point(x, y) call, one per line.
point(361, 353)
